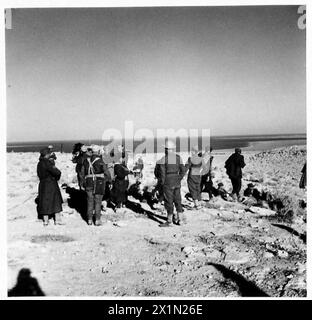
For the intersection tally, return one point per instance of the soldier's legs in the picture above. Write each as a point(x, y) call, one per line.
point(98, 202)
point(90, 205)
point(79, 180)
point(168, 197)
point(178, 204)
point(239, 185)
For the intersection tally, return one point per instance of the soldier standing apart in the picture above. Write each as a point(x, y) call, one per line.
point(172, 171)
point(94, 174)
point(194, 165)
point(234, 165)
point(49, 202)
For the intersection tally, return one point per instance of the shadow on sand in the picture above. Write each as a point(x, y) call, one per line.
point(77, 200)
point(137, 208)
point(26, 285)
point(246, 288)
point(301, 236)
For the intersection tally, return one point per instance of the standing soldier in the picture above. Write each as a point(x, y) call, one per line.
point(172, 171)
point(234, 165)
point(79, 155)
point(194, 165)
point(118, 193)
point(49, 202)
point(206, 178)
point(94, 174)
point(159, 187)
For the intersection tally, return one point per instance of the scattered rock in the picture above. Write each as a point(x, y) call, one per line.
point(282, 254)
point(268, 255)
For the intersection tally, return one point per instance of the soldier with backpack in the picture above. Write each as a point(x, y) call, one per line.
point(94, 175)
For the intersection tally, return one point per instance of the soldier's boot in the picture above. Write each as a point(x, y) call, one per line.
point(168, 223)
point(176, 219)
point(197, 204)
point(58, 220)
point(45, 220)
point(98, 222)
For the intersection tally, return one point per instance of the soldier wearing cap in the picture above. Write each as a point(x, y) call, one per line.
point(251, 191)
point(222, 192)
point(172, 171)
point(234, 165)
point(49, 201)
point(94, 175)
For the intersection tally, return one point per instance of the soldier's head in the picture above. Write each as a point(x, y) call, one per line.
point(238, 150)
point(169, 146)
point(251, 186)
point(195, 150)
point(96, 149)
point(45, 153)
point(83, 148)
point(52, 156)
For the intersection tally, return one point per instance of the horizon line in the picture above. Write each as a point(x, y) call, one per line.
point(212, 136)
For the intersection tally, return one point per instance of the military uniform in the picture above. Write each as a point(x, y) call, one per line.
point(172, 171)
point(234, 165)
point(95, 175)
point(159, 187)
point(194, 165)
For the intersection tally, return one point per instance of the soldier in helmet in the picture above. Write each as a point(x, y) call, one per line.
point(172, 171)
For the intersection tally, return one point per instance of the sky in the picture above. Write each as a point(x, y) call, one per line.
point(72, 73)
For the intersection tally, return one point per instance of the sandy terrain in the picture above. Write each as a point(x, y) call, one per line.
point(222, 250)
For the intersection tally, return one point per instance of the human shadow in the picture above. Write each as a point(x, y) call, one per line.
point(26, 285)
point(301, 236)
point(246, 288)
point(77, 200)
point(137, 208)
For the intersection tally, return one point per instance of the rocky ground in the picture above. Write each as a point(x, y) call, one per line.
point(226, 249)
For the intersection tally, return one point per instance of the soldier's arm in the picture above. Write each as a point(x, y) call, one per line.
point(83, 174)
point(182, 168)
point(162, 172)
point(187, 165)
point(55, 172)
point(243, 162)
point(106, 172)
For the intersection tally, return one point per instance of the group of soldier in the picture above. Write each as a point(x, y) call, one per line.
point(103, 175)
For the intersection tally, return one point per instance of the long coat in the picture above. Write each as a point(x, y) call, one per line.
point(120, 184)
point(193, 166)
point(234, 165)
point(49, 194)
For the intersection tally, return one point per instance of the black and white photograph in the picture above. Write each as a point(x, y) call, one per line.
point(155, 152)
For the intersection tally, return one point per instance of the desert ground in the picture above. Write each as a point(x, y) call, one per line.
point(225, 249)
